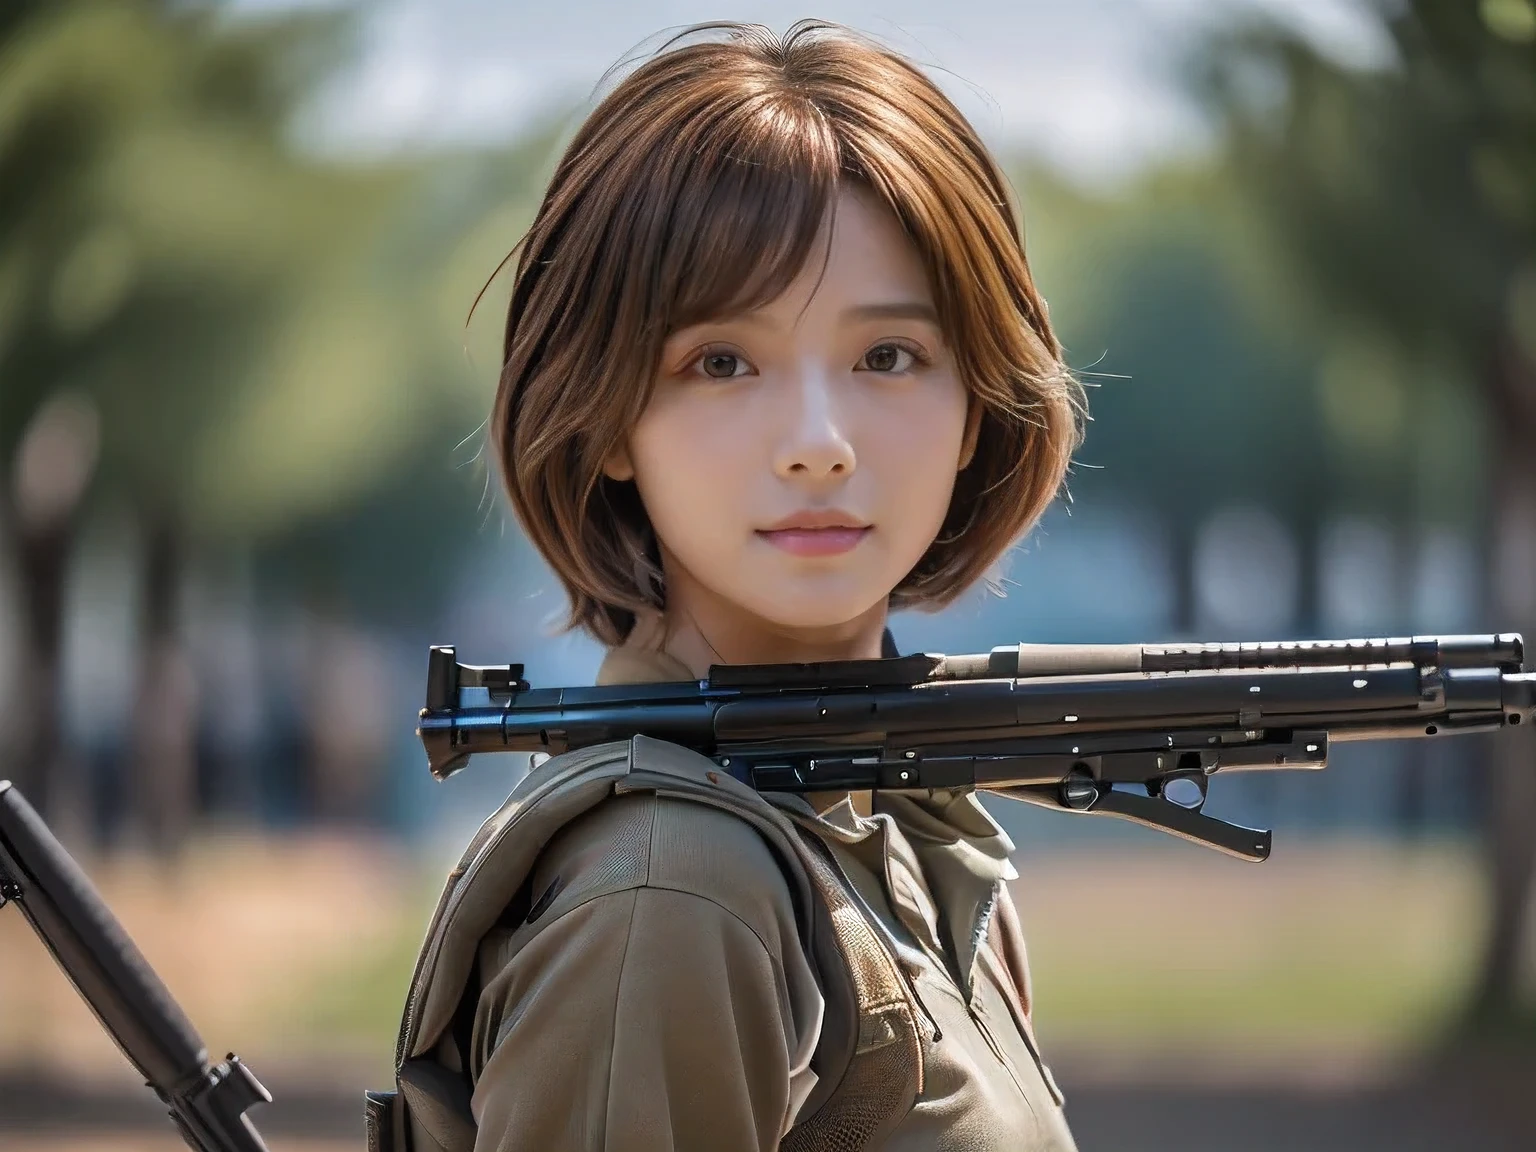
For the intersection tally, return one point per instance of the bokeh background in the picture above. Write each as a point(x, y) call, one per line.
point(1290, 243)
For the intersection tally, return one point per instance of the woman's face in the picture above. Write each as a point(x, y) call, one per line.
point(796, 461)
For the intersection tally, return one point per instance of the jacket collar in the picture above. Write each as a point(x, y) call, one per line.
point(941, 857)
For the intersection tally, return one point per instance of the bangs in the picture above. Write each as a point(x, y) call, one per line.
point(746, 194)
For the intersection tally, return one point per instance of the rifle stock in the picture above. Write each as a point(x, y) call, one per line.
point(1130, 731)
point(206, 1100)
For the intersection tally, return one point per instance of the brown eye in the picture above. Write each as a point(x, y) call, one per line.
point(889, 358)
point(720, 363)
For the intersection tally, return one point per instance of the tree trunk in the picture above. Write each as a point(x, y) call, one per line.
point(41, 489)
point(1511, 800)
point(42, 555)
point(163, 773)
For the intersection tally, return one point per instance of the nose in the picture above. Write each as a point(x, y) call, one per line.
point(816, 444)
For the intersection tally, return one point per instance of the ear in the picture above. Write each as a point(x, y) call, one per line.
point(619, 466)
point(972, 433)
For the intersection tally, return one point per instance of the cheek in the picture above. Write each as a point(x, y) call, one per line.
point(691, 468)
point(935, 417)
point(916, 450)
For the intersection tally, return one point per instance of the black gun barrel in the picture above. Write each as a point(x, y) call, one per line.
point(1133, 731)
point(206, 1100)
point(1358, 689)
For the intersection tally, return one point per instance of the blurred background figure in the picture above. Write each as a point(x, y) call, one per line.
point(1291, 244)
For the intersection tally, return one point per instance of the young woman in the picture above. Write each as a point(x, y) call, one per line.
point(774, 366)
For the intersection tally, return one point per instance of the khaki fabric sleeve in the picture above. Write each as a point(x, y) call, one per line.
point(662, 1001)
point(644, 1020)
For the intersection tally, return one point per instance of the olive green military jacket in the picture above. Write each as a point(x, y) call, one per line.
point(656, 995)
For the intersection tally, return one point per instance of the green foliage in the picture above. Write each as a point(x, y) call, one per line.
point(1404, 201)
point(425, 491)
point(262, 331)
point(1405, 197)
point(1158, 294)
point(275, 341)
point(1284, 322)
point(149, 221)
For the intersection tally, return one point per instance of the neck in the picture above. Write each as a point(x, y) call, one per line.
point(701, 628)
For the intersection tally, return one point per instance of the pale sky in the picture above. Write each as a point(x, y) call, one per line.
point(1090, 85)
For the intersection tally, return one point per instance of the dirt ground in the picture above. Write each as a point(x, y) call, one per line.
point(242, 930)
point(1470, 1105)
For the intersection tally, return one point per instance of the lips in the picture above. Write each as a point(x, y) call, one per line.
point(822, 532)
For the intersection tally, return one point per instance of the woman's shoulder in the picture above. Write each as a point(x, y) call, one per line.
point(647, 840)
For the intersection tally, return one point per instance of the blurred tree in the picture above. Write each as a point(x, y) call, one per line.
point(151, 221)
point(1405, 198)
point(1154, 298)
point(231, 334)
point(425, 489)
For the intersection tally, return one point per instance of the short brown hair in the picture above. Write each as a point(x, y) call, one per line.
point(696, 190)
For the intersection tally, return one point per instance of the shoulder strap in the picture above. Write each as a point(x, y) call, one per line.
point(882, 1076)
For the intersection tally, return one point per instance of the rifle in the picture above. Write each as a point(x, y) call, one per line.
point(207, 1101)
point(1130, 731)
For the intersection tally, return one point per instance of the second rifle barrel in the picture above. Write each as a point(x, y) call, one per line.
point(1503, 651)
